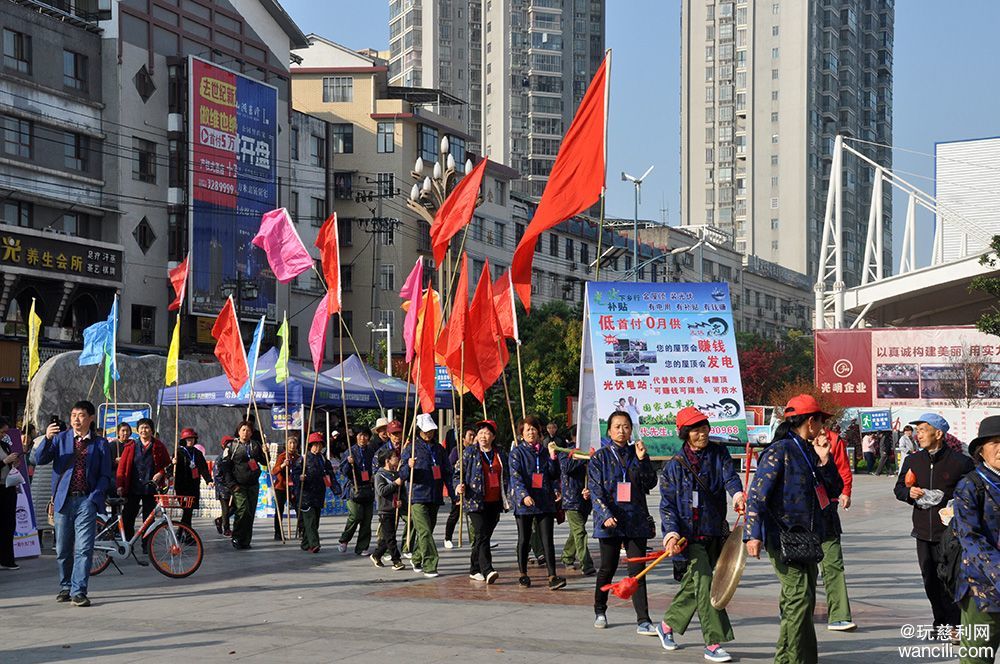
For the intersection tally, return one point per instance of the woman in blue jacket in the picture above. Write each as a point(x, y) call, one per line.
point(977, 525)
point(534, 471)
point(693, 505)
point(620, 476)
point(795, 478)
point(483, 489)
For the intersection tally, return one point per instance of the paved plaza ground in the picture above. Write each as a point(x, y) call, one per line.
point(278, 604)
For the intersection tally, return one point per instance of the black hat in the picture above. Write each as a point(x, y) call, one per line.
point(988, 428)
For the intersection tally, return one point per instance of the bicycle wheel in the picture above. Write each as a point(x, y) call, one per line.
point(104, 541)
point(175, 560)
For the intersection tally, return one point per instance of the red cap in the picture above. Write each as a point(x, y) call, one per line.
point(488, 424)
point(188, 432)
point(690, 416)
point(226, 440)
point(394, 427)
point(804, 404)
point(316, 437)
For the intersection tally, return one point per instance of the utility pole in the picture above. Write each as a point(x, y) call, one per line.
point(637, 183)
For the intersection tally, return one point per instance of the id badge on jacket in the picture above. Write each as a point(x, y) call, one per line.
point(536, 480)
point(821, 496)
point(624, 492)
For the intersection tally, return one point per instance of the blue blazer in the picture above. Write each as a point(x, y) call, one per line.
point(604, 473)
point(523, 462)
point(677, 487)
point(59, 452)
point(426, 489)
point(977, 524)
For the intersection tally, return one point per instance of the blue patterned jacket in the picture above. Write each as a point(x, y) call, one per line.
point(574, 473)
point(426, 489)
point(977, 524)
point(364, 460)
point(475, 479)
point(677, 486)
point(783, 490)
point(524, 462)
point(314, 487)
point(605, 472)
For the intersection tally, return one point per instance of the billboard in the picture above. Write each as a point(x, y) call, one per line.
point(233, 134)
point(929, 367)
point(652, 349)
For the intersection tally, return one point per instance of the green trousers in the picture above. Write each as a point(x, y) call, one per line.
point(838, 606)
point(980, 631)
point(244, 507)
point(359, 517)
point(695, 595)
point(797, 601)
point(536, 544)
point(575, 548)
point(425, 553)
point(310, 527)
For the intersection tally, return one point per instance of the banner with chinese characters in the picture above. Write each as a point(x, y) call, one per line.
point(932, 367)
point(55, 254)
point(652, 349)
point(233, 125)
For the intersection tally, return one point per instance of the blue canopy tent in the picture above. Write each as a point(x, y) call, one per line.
point(391, 390)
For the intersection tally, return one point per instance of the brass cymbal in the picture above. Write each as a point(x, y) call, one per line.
point(728, 569)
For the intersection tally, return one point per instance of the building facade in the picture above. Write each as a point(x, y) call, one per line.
point(966, 182)
point(766, 87)
point(522, 66)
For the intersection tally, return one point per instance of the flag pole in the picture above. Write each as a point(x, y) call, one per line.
point(506, 391)
point(177, 404)
point(267, 460)
point(461, 450)
point(308, 427)
point(388, 370)
point(343, 404)
point(288, 465)
point(413, 455)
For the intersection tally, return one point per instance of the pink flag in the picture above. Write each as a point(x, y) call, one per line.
point(278, 238)
point(411, 291)
point(317, 332)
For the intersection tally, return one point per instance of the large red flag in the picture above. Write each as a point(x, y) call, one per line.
point(450, 344)
point(328, 242)
point(484, 333)
point(503, 299)
point(178, 279)
point(229, 346)
point(575, 182)
point(456, 211)
point(425, 354)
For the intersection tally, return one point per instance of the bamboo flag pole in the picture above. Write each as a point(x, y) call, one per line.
point(461, 450)
point(413, 456)
point(177, 406)
point(506, 392)
point(364, 367)
point(600, 238)
point(308, 427)
point(288, 463)
point(343, 404)
point(267, 460)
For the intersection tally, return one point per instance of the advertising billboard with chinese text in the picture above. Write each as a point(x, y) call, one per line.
point(233, 134)
point(933, 367)
point(652, 349)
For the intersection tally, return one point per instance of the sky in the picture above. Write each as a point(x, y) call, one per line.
point(940, 92)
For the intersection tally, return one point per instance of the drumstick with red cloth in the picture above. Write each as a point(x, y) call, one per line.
point(625, 588)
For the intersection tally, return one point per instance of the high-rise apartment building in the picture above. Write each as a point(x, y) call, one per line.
point(766, 87)
point(522, 66)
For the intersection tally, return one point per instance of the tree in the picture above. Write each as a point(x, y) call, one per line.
point(780, 397)
point(767, 364)
point(989, 321)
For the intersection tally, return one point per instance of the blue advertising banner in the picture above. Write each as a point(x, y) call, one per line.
point(233, 125)
point(876, 420)
point(652, 349)
point(108, 417)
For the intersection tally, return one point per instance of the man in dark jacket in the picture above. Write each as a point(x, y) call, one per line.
point(937, 468)
point(242, 466)
point(359, 477)
point(425, 465)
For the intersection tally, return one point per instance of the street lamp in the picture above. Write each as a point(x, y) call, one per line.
point(637, 183)
point(430, 191)
point(241, 290)
point(388, 343)
point(700, 246)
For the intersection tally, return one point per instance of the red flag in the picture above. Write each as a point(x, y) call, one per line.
point(503, 300)
point(456, 211)
point(328, 242)
point(465, 374)
point(229, 346)
point(425, 354)
point(178, 279)
point(575, 182)
point(484, 333)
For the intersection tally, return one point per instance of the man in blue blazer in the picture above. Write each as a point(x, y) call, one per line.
point(81, 477)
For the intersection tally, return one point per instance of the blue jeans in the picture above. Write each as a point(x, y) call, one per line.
point(75, 530)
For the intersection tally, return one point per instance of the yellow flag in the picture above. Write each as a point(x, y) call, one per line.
point(174, 352)
point(34, 326)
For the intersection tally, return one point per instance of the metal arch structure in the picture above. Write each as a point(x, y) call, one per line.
point(940, 287)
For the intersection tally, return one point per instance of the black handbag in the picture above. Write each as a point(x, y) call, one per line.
point(798, 546)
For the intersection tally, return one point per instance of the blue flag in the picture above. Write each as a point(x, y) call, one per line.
point(252, 354)
point(95, 340)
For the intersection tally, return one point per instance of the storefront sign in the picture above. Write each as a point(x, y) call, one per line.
point(46, 252)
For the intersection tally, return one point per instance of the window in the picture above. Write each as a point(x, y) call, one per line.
point(294, 143)
point(343, 138)
point(774, 180)
point(774, 95)
point(384, 184)
point(499, 231)
point(585, 253)
point(317, 150)
point(387, 276)
point(774, 138)
point(17, 51)
point(386, 136)
point(318, 211)
point(569, 249)
point(774, 223)
point(774, 245)
point(774, 52)
point(774, 160)
point(346, 278)
point(17, 137)
point(774, 116)
point(519, 233)
point(774, 202)
point(386, 316)
point(774, 31)
point(293, 205)
point(428, 147)
point(775, 8)
point(774, 74)
point(17, 213)
point(501, 192)
point(345, 229)
point(142, 324)
point(75, 151)
point(554, 245)
point(143, 234)
point(338, 89)
point(74, 70)
point(143, 160)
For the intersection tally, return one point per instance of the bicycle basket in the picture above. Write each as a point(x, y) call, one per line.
point(174, 501)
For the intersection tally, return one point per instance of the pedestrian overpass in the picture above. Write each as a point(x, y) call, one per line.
point(935, 294)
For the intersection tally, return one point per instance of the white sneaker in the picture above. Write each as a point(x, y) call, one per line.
point(448, 544)
point(342, 548)
point(431, 575)
point(418, 570)
point(477, 577)
point(407, 555)
point(494, 545)
point(492, 577)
